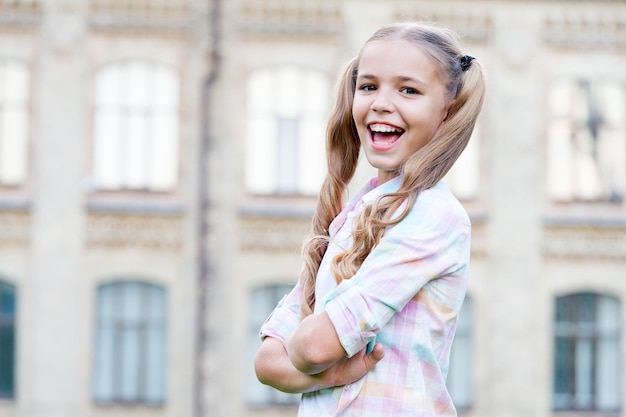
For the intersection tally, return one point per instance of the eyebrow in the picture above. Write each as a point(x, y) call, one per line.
point(401, 78)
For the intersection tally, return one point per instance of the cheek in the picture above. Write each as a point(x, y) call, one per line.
point(359, 109)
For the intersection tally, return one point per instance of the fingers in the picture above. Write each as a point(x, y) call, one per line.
point(372, 358)
point(378, 353)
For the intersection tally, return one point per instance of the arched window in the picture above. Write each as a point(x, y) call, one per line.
point(459, 381)
point(464, 177)
point(136, 126)
point(7, 340)
point(263, 300)
point(286, 125)
point(587, 353)
point(586, 141)
point(14, 103)
point(131, 343)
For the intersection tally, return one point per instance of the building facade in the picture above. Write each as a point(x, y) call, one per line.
point(159, 163)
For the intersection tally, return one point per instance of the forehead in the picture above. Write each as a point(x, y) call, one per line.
point(397, 57)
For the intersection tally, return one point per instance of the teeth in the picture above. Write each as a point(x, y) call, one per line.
point(384, 129)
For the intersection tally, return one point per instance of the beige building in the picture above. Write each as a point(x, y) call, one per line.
point(158, 168)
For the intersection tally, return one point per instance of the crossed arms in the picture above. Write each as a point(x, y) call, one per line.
point(311, 358)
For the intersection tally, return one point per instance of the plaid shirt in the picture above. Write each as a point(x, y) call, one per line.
point(406, 295)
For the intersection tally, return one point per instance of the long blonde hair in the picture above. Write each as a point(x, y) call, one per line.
point(422, 170)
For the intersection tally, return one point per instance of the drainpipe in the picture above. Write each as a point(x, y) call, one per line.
point(204, 262)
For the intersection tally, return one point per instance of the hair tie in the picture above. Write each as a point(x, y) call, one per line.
point(466, 61)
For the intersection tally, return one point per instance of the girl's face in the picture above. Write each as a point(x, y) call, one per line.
point(399, 103)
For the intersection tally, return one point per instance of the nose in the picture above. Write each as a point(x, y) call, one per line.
point(382, 102)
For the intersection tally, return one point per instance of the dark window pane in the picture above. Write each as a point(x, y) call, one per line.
point(131, 339)
point(587, 353)
point(7, 340)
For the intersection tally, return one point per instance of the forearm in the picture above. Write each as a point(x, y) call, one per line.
point(273, 368)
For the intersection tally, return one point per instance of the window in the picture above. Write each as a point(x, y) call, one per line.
point(262, 302)
point(587, 370)
point(464, 177)
point(459, 381)
point(7, 340)
point(586, 141)
point(14, 102)
point(286, 131)
point(136, 127)
point(131, 344)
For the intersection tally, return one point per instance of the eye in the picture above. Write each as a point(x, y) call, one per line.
point(409, 90)
point(367, 87)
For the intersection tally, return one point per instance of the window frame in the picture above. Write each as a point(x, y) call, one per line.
point(574, 330)
point(20, 148)
point(107, 384)
point(465, 176)
point(271, 397)
point(464, 338)
point(154, 113)
point(274, 113)
point(8, 323)
point(583, 136)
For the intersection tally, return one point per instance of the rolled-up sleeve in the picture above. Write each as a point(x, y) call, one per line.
point(430, 243)
point(285, 317)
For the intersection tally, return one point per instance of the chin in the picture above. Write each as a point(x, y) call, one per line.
point(386, 167)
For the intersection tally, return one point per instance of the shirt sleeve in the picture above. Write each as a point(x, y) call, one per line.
point(285, 317)
point(426, 245)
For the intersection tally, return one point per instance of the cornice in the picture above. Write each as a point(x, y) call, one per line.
point(584, 243)
point(122, 230)
point(272, 234)
point(14, 228)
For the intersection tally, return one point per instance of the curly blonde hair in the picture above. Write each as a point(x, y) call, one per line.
point(422, 170)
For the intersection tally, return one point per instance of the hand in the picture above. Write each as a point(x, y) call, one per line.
point(348, 370)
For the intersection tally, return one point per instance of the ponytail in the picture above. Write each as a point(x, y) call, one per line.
point(342, 157)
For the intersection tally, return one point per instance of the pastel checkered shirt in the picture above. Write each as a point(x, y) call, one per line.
point(406, 295)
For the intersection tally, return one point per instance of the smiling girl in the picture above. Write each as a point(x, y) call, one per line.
point(368, 328)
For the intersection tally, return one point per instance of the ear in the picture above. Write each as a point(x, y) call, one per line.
point(447, 109)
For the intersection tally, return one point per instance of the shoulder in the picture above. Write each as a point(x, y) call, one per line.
point(437, 205)
point(436, 216)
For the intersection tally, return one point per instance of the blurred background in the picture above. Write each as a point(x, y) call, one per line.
point(159, 163)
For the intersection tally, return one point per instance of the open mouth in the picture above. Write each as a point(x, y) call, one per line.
point(384, 135)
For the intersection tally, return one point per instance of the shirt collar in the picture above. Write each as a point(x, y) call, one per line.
point(376, 190)
point(370, 192)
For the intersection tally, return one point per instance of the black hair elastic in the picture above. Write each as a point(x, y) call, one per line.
point(466, 61)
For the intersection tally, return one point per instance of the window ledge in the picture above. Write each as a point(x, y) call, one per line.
point(586, 219)
point(575, 413)
point(14, 204)
point(289, 207)
point(135, 207)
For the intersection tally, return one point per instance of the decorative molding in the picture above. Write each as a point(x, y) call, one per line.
point(271, 234)
point(288, 16)
point(14, 228)
point(20, 12)
point(472, 22)
point(134, 230)
point(142, 7)
point(140, 14)
point(586, 28)
point(584, 243)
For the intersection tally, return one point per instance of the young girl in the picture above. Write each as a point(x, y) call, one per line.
point(368, 328)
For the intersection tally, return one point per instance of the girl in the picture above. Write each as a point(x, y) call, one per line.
point(368, 328)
